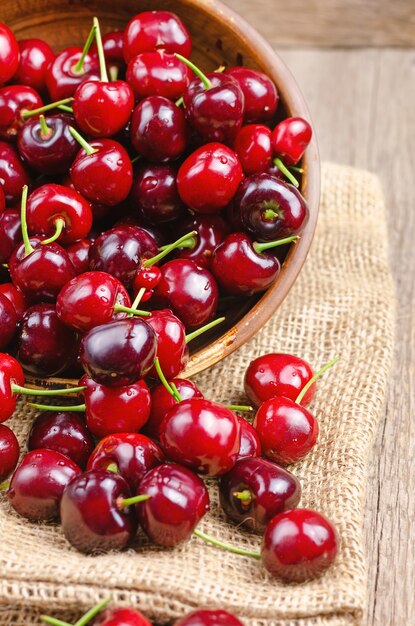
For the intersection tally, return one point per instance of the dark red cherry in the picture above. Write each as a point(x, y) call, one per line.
point(89, 299)
point(209, 178)
point(15, 100)
point(8, 325)
point(133, 455)
point(157, 73)
point(13, 174)
point(37, 485)
point(172, 350)
point(253, 147)
point(113, 45)
point(250, 444)
point(78, 253)
point(270, 208)
point(46, 347)
point(64, 432)
point(10, 54)
point(287, 431)
point(154, 194)
point(121, 617)
point(35, 57)
point(10, 233)
point(201, 435)
point(102, 109)
point(255, 490)
point(154, 30)
point(9, 452)
point(209, 617)
point(260, 94)
point(290, 139)
point(2, 201)
point(112, 410)
point(278, 374)
point(50, 152)
point(64, 75)
point(211, 231)
point(162, 401)
point(92, 516)
point(189, 290)
point(178, 501)
point(299, 545)
point(105, 175)
point(215, 112)
point(10, 373)
point(50, 204)
point(119, 353)
point(119, 252)
point(158, 129)
point(242, 269)
point(16, 297)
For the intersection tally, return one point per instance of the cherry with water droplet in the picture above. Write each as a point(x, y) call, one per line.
point(260, 94)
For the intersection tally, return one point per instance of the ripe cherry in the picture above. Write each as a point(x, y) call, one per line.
point(154, 30)
point(9, 452)
point(113, 46)
point(298, 545)
point(253, 146)
point(201, 435)
point(10, 233)
point(37, 485)
point(177, 501)
point(172, 350)
point(250, 445)
point(10, 54)
point(255, 490)
point(64, 432)
point(121, 617)
point(278, 374)
point(8, 319)
point(157, 73)
point(11, 374)
point(154, 195)
point(93, 517)
point(13, 174)
point(290, 139)
point(132, 454)
point(14, 101)
point(35, 57)
point(211, 231)
point(78, 254)
point(2, 201)
point(260, 94)
point(158, 129)
point(16, 297)
point(209, 617)
point(209, 178)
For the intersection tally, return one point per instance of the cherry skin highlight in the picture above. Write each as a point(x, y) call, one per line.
point(35, 57)
point(260, 94)
point(290, 139)
point(61, 76)
point(253, 146)
point(10, 54)
point(250, 444)
point(172, 350)
point(157, 73)
point(153, 30)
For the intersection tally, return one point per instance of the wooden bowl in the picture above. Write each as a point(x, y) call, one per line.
point(220, 36)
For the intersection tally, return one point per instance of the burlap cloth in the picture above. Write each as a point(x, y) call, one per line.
point(342, 304)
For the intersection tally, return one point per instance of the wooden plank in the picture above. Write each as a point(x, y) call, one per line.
point(331, 22)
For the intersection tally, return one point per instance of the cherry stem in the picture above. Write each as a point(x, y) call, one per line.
point(28, 248)
point(286, 172)
point(130, 310)
point(172, 389)
point(179, 102)
point(191, 243)
point(138, 297)
point(53, 621)
point(238, 407)
point(5, 485)
point(261, 247)
point(101, 55)
point(170, 248)
point(45, 392)
point(123, 502)
point(114, 71)
point(313, 380)
point(206, 82)
point(136, 158)
point(78, 408)
point(63, 107)
point(269, 214)
point(85, 145)
point(243, 496)
point(45, 131)
point(59, 225)
point(47, 107)
point(112, 467)
point(226, 546)
point(294, 168)
point(78, 68)
point(203, 329)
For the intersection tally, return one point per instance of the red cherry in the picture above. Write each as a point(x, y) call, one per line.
point(278, 374)
point(2, 201)
point(157, 73)
point(172, 350)
point(38, 483)
point(8, 319)
point(121, 617)
point(178, 499)
point(113, 45)
point(287, 431)
point(16, 297)
point(10, 54)
point(260, 94)
point(13, 174)
point(209, 178)
point(290, 139)
point(153, 30)
point(9, 452)
point(133, 454)
point(253, 147)
point(10, 233)
point(211, 231)
point(62, 76)
point(78, 254)
point(35, 57)
point(146, 278)
point(102, 109)
point(209, 617)
point(250, 444)
point(10, 373)
point(15, 100)
point(154, 194)
point(201, 435)
point(298, 545)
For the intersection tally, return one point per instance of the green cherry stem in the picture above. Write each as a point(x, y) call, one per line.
point(179, 102)
point(313, 380)
point(238, 407)
point(206, 82)
point(138, 297)
point(101, 55)
point(59, 226)
point(92, 613)
point(78, 68)
point(167, 249)
point(65, 108)
point(226, 546)
point(45, 131)
point(53, 621)
point(203, 329)
point(261, 247)
point(244, 496)
point(5, 485)
point(112, 467)
point(294, 168)
point(113, 72)
point(286, 172)
point(126, 309)
point(45, 392)
point(123, 502)
point(172, 389)
point(78, 408)
point(47, 107)
point(28, 248)
point(82, 142)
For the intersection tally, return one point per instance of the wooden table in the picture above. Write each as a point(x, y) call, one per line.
point(362, 100)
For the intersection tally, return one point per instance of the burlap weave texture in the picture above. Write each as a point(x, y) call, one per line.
point(342, 304)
